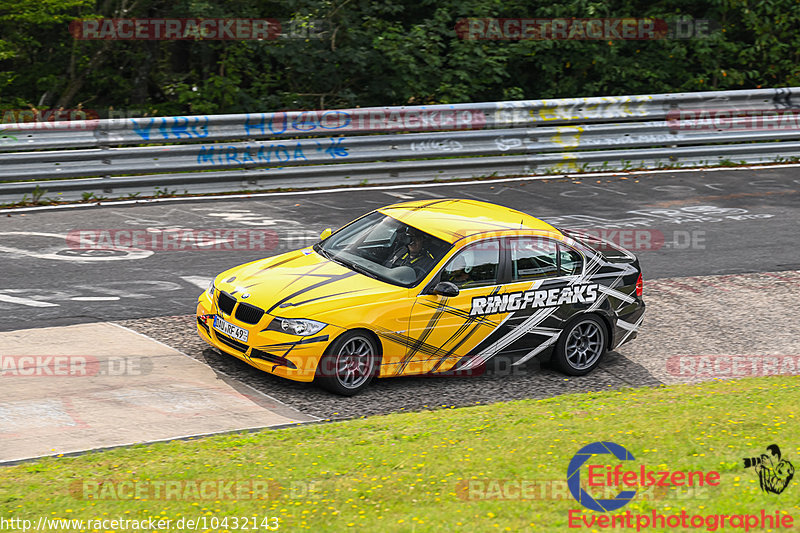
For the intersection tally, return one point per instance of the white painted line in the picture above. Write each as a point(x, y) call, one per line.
point(95, 298)
point(452, 183)
point(200, 281)
point(399, 195)
point(25, 301)
point(428, 193)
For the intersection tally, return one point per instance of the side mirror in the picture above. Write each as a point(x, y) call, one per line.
point(445, 288)
point(325, 234)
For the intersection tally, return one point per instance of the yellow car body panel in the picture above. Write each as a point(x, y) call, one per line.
point(452, 220)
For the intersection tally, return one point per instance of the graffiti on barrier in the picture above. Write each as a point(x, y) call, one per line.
point(254, 154)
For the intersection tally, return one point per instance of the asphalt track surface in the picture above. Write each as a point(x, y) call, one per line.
point(702, 223)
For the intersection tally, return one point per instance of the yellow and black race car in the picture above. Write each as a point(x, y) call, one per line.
point(424, 287)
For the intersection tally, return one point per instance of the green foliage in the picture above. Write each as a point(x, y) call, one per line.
point(364, 53)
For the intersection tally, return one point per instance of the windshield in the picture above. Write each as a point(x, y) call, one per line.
point(384, 248)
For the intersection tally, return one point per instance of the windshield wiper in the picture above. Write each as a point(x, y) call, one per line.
point(352, 266)
point(323, 252)
point(360, 269)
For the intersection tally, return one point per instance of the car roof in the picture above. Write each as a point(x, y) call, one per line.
point(451, 219)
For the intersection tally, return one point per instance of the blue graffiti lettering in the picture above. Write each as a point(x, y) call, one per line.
point(265, 121)
point(281, 149)
point(172, 127)
point(231, 155)
point(203, 128)
point(298, 153)
point(142, 131)
point(334, 120)
point(278, 123)
point(263, 154)
point(336, 149)
point(206, 155)
point(179, 127)
point(305, 121)
point(249, 126)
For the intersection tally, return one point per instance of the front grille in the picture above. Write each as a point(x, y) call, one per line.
point(225, 302)
point(258, 354)
point(233, 343)
point(249, 314)
point(205, 326)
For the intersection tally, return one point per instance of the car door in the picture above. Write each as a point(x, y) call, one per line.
point(441, 328)
point(543, 291)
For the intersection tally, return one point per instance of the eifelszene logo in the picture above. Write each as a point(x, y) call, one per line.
point(574, 477)
point(607, 476)
point(774, 473)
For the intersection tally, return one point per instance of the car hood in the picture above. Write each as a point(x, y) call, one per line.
point(301, 284)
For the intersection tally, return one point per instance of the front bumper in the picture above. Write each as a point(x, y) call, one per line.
point(288, 356)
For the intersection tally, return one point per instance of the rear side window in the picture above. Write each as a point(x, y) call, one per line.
point(570, 261)
point(533, 258)
point(537, 257)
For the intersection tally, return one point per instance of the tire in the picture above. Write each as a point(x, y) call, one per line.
point(581, 346)
point(349, 364)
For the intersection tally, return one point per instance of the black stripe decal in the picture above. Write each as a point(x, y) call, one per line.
point(284, 305)
point(279, 263)
point(321, 338)
point(332, 279)
point(424, 335)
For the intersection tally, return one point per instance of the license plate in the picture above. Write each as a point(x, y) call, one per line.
point(231, 330)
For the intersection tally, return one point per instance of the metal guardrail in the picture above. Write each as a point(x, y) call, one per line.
point(119, 157)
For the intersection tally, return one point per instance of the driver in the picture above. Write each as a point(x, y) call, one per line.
point(415, 254)
point(459, 272)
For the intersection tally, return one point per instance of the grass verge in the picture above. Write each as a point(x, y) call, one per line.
point(499, 467)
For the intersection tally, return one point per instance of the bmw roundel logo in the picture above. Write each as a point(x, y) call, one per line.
point(245, 296)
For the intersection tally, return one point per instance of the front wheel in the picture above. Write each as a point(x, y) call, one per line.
point(349, 364)
point(581, 346)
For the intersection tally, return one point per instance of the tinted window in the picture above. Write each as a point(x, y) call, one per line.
point(570, 261)
point(533, 258)
point(474, 266)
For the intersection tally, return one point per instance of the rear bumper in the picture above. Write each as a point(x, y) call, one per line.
point(628, 323)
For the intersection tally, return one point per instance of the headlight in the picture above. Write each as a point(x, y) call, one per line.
point(210, 289)
point(300, 326)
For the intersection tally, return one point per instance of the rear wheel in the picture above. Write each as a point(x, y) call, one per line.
point(581, 346)
point(349, 364)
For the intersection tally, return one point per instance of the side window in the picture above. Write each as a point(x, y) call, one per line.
point(474, 266)
point(533, 258)
point(571, 262)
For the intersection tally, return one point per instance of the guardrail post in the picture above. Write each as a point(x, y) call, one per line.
point(101, 135)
